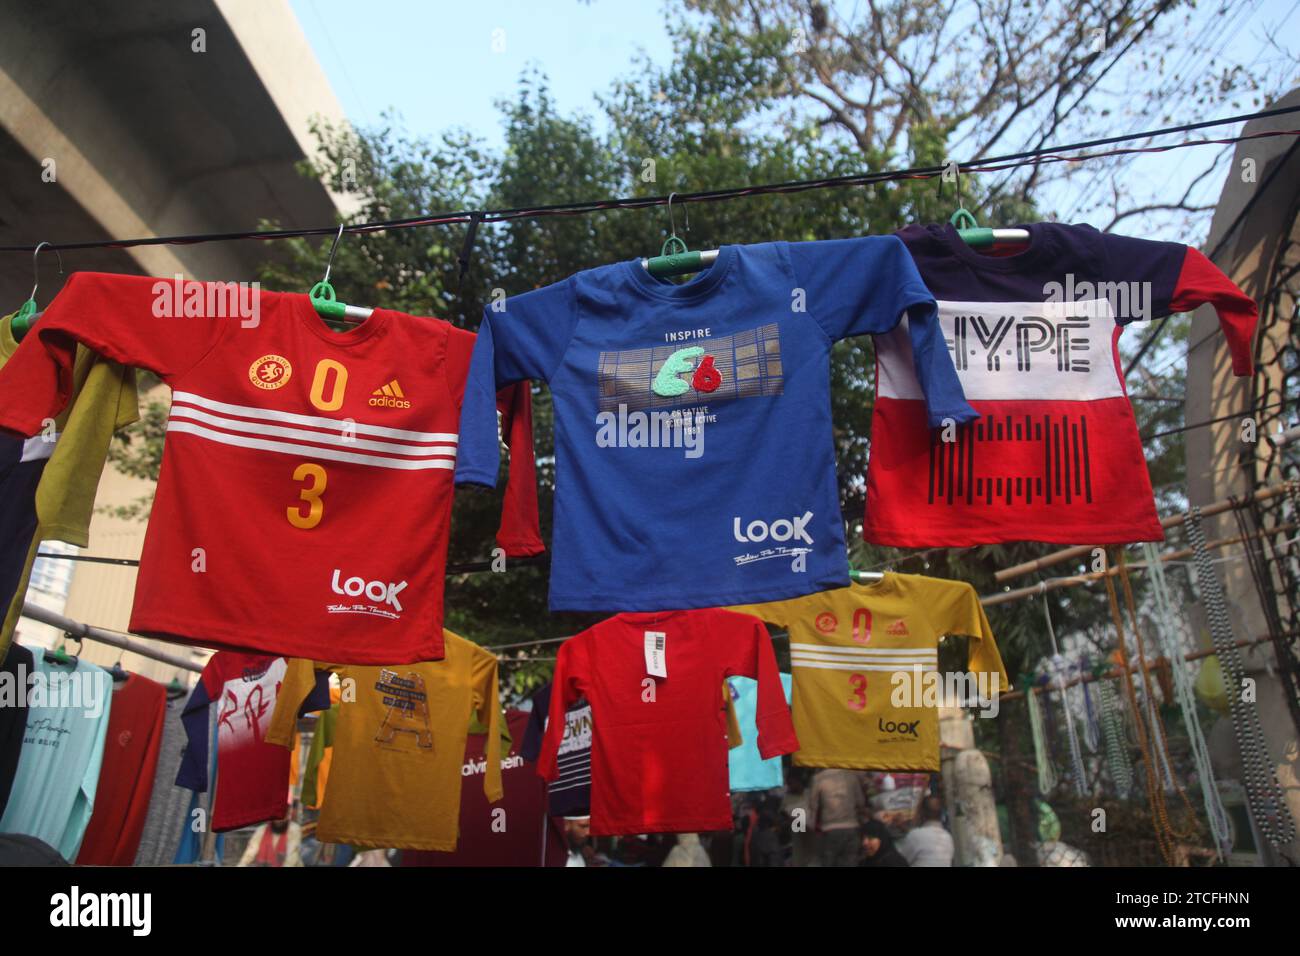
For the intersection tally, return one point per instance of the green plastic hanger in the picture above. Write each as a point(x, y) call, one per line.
point(975, 235)
point(866, 577)
point(324, 300)
point(971, 232)
point(60, 654)
point(680, 261)
point(26, 314)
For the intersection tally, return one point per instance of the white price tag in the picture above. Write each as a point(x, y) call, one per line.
point(656, 661)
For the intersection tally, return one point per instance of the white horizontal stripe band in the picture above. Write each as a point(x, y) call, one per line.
point(850, 666)
point(324, 438)
point(316, 421)
point(875, 651)
point(561, 786)
point(892, 664)
point(303, 451)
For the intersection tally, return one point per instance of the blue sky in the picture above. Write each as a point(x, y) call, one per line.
point(443, 64)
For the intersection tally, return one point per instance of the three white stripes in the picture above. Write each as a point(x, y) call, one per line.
point(192, 414)
point(825, 657)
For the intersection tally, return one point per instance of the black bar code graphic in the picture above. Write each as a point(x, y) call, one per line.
point(1063, 472)
point(750, 363)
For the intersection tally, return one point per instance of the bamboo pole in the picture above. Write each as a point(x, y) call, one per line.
point(88, 632)
point(1173, 521)
point(1118, 672)
point(1092, 576)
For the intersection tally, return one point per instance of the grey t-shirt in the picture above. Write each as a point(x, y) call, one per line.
point(169, 804)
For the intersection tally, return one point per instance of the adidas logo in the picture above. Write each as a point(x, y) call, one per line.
point(898, 627)
point(389, 396)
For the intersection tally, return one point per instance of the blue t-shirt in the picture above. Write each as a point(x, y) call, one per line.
point(695, 460)
point(749, 771)
point(58, 770)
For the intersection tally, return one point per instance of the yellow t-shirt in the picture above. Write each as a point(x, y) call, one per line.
point(399, 745)
point(103, 400)
point(858, 653)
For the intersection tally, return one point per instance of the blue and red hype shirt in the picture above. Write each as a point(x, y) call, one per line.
point(695, 461)
point(1055, 455)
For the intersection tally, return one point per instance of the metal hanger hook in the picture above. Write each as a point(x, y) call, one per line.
point(329, 263)
point(36, 266)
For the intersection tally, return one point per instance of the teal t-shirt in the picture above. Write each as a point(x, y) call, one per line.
point(749, 771)
point(63, 746)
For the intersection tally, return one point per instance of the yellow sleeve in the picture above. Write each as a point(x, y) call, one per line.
point(734, 737)
point(128, 401)
point(299, 679)
point(953, 607)
point(487, 707)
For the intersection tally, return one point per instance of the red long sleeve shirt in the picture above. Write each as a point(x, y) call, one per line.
point(135, 724)
point(659, 758)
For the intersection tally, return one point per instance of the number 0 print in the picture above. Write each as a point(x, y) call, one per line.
point(311, 495)
point(861, 626)
point(859, 684)
point(340, 384)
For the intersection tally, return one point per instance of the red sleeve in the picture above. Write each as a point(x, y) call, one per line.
point(134, 320)
point(1199, 282)
point(568, 684)
point(519, 534)
point(747, 652)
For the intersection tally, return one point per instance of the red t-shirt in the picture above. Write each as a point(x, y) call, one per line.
point(304, 501)
point(135, 721)
point(659, 756)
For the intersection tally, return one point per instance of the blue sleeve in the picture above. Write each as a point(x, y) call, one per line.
point(193, 774)
point(525, 339)
point(865, 286)
point(531, 748)
point(319, 698)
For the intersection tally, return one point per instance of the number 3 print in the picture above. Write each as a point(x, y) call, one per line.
point(311, 494)
point(859, 684)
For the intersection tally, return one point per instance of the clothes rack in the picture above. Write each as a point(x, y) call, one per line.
point(1090, 577)
point(87, 632)
point(1117, 672)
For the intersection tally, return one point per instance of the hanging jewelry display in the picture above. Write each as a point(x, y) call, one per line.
point(1264, 795)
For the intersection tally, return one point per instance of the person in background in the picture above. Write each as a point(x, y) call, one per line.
point(746, 827)
point(837, 807)
point(274, 844)
point(794, 807)
point(688, 851)
point(765, 848)
point(577, 837)
point(928, 844)
point(878, 846)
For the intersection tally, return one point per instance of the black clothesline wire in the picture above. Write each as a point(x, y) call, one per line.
point(1047, 154)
